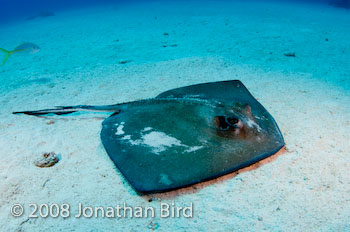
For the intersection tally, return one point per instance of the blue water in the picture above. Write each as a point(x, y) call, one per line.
point(125, 34)
point(19, 9)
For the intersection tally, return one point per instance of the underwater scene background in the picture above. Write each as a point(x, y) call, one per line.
point(293, 56)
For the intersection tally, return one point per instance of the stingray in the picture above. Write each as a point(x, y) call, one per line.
point(185, 135)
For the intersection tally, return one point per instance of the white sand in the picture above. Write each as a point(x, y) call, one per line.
point(306, 188)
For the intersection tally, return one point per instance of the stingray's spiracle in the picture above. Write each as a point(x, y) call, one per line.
point(221, 123)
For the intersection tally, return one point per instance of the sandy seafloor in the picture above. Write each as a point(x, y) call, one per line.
point(304, 188)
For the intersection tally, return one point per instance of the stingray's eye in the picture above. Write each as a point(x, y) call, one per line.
point(234, 122)
point(221, 123)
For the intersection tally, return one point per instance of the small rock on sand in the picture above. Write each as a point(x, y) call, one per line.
point(50, 122)
point(47, 160)
point(290, 54)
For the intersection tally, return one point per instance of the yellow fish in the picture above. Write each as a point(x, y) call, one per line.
point(24, 47)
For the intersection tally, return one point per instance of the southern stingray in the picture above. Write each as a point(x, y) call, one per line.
point(185, 135)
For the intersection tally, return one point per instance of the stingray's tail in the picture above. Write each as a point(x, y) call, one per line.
point(7, 55)
point(60, 110)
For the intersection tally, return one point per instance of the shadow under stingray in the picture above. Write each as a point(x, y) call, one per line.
point(220, 180)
